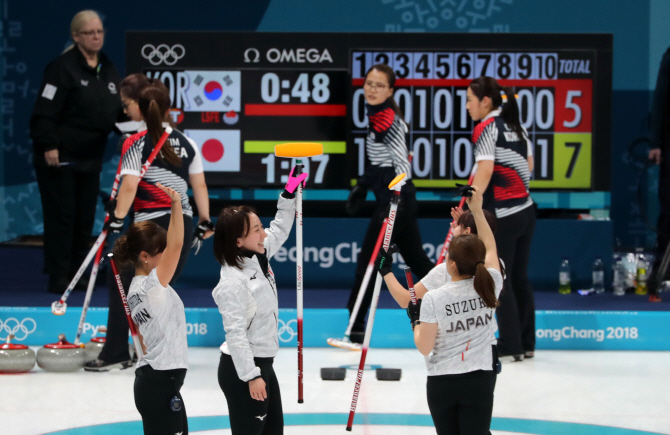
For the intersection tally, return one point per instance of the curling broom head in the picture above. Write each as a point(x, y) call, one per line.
point(399, 180)
point(298, 149)
point(344, 343)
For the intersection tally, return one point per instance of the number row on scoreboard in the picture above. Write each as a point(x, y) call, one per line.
point(431, 108)
point(561, 160)
point(441, 65)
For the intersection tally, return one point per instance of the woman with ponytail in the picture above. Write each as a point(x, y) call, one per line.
point(177, 165)
point(504, 155)
point(158, 312)
point(387, 153)
point(454, 326)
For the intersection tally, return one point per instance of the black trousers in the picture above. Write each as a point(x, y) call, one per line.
point(116, 343)
point(69, 198)
point(154, 391)
point(462, 404)
point(516, 313)
point(247, 415)
point(408, 238)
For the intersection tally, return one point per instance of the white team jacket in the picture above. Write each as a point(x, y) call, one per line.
point(247, 300)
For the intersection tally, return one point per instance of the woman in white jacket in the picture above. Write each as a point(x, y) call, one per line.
point(247, 299)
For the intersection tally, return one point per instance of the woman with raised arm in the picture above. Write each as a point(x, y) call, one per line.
point(159, 315)
point(176, 166)
point(247, 299)
point(463, 223)
point(504, 156)
point(454, 326)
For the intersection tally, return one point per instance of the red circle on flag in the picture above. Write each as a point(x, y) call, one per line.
point(212, 150)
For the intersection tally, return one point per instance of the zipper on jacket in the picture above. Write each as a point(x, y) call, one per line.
point(276, 327)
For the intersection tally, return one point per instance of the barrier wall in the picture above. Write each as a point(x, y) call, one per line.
point(565, 330)
point(331, 247)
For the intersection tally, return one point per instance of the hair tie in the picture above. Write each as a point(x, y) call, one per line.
point(479, 262)
point(503, 95)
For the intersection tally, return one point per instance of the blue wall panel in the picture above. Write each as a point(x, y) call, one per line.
point(331, 248)
point(32, 36)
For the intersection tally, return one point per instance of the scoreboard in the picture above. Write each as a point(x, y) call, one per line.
point(239, 94)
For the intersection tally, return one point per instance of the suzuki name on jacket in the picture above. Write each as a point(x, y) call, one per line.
point(471, 305)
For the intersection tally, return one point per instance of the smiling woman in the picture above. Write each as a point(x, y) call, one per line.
point(247, 299)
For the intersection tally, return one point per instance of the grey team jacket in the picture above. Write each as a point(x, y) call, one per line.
point(247, 300)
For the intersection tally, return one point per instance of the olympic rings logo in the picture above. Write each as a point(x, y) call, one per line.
point(163, 53)
point(285, 331)
point(21, 329)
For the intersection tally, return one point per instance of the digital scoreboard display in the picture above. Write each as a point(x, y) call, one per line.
point(239, 94)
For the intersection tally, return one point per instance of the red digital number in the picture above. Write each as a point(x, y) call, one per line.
point(574, 106)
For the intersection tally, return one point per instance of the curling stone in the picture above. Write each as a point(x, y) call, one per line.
point(388, 374)
point(94, 347)
point(333, 373)
point(61, 356)
point(16, 358)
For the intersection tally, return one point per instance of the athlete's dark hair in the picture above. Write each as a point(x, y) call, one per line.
point(132, 85)
point(145, 236)
point(232, 224)
point(154, 102)
point(469, 254)
point(467, 220)
point(489, 87)
point(390, 76)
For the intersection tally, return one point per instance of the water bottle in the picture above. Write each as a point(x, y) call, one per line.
point(598, 276)
point(564, 277)
point(619, 278)
point(641, 275)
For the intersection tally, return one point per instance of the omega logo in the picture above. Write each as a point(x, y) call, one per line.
point(297, 55)
point(249, 52)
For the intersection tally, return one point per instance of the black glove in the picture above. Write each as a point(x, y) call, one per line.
point(464, 190)
point(384, 261)
point(113, 224)
point(199, 233)
point(414, 313)
point(355, 200)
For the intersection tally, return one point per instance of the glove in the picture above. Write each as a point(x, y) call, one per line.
point(464, 190)
point(113, 224)
point(293, 182)
point(199, 234)
point(414, 312)
point(384, 262)
point(356, 199)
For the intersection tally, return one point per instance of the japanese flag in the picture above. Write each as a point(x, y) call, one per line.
point(220, 149)
point(212, 91)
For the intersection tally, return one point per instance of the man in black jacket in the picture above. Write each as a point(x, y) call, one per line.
point(76, 109)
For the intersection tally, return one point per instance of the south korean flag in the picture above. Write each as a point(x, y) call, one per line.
point(213, 91)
